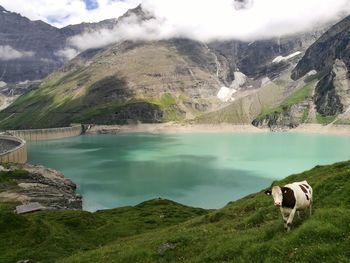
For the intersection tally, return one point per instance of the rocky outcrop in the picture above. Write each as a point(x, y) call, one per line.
point(40, 184)
point(255, 59)
point(321, 55)
point(288, 118)
point(332, 93)
point(330, 57)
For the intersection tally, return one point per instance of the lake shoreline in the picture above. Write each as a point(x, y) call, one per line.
point(173, 128)
point(333, 129)
point(214, 128)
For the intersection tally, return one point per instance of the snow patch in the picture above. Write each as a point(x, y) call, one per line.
point(225, 94)
point(239, 81)
point(2, 84)
point(282, 58)
point(311, 73)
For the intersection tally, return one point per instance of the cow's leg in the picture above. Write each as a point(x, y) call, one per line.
point(285, 217)
point(298, 214)
point(290, 218)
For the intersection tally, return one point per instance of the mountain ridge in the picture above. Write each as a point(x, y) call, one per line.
point(178, 79)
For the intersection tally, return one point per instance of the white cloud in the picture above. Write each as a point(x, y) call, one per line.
point(219, 20)
point(195, 19)
point(209, 20)
point(61, 13)
point(9, 53)
point(67, 53)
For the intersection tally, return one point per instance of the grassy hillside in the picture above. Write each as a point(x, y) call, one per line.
point(296, 97)
point(247, 230)
point(246, 108)
point(53, 235)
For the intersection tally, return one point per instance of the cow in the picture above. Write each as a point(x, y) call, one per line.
point(291, 198)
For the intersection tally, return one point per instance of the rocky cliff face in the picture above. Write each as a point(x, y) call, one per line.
point(29, 48)
point(32, 183)
point(260, 58)
point(321, 56)
point(330, 57)
point(290, 117)
point(327, 61)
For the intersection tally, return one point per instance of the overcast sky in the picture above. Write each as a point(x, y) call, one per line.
point(203, 20)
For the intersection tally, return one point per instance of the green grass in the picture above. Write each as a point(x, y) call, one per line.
point(247, 230)
point(52, 235)
point(325, 119)
point(305, 115)
point(296, 97)
point(165, 101)
point(7, 179)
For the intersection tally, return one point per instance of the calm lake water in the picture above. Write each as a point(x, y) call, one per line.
point(202, 170)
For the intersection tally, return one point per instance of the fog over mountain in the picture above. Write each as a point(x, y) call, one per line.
point(209, 21)
point(246, 20)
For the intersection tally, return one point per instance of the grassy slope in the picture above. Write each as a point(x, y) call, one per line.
point(243, 110)
point(251, 230)
point(49, 236)
point(246, 109)
point(325, 119)
point(248, 230)
point(296, 97)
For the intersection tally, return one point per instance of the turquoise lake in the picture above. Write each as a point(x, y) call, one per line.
point(203, 170)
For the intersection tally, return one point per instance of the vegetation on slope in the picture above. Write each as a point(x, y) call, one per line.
point(52, 235)
point(325, 119)
point(296, 97)
point(247, 230)
point(7, 179)
point(243, 109)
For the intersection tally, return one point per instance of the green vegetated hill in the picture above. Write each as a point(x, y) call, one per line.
point(247, 230)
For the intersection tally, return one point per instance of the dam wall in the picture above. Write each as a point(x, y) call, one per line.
point(15, 150)
point(48, 134)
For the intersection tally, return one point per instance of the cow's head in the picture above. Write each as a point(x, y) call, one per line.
point(277, 194)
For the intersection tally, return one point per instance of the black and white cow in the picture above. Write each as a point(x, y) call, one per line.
point(291, 198)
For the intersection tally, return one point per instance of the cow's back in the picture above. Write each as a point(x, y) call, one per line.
point(302, 193)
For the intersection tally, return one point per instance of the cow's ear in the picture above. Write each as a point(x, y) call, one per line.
point(268, 192)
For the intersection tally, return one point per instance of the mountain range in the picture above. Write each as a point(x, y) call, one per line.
point(275, 83)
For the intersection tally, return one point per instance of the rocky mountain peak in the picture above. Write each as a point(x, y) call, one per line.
point(138, 12)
